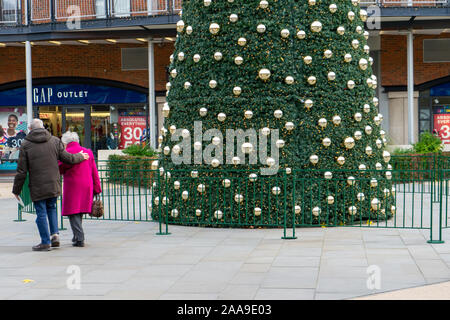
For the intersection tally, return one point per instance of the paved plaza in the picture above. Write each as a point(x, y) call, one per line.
point(128, 260)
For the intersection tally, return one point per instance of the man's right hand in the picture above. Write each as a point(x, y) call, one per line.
point(85, 155)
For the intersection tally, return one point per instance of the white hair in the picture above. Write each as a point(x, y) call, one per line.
point(36, 124)
point(69, 137)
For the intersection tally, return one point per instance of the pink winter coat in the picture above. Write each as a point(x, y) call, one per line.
point(81, 183)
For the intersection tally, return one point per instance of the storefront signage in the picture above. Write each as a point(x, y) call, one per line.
point(131, 130)
point(442, 126)
point(71, 94)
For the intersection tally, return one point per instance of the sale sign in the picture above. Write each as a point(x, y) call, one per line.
point(442, 127)
point(131, 130)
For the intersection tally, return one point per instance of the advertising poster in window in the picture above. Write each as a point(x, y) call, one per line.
point(13, 126)
point(132, 128)
point(442, 126)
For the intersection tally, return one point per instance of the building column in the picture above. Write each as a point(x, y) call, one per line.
point(151, 94)
point(410, 67)
point(29, 82)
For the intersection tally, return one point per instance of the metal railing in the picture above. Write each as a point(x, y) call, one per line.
point(415, 194)
point(48, 11)
point(9, 11)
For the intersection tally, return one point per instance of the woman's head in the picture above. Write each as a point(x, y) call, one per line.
point(69, 137)
point(13, 120)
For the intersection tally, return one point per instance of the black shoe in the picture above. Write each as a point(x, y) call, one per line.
point(55, 241)
point(78, 244)
point(42, 247)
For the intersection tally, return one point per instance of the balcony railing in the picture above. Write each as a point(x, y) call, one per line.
point(23, 12)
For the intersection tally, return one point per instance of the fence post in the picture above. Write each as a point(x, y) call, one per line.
point(19, 214)
point(440, 195)
point(285, 237)
point(159, 186)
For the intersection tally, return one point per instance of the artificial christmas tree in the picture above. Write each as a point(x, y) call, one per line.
point(299, 74)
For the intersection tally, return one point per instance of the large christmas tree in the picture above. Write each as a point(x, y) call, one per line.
point(299, 74)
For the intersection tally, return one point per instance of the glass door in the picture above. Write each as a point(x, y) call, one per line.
point(78, 119)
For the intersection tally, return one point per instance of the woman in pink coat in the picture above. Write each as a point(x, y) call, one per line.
point(81, 184)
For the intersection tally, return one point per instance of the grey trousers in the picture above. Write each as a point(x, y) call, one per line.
point(77, 229)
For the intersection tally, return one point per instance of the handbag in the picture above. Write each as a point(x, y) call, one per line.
point(97, 207)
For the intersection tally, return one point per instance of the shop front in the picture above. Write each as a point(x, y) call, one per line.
point(434, 112)
point(105, 117)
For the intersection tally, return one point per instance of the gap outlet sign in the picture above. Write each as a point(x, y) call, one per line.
point(71, 94)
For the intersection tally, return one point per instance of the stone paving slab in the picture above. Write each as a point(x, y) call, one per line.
point(127, 260)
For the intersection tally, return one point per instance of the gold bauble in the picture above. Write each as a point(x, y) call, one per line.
point(297, 209)
point(322, 122)
point(332, 8)
point(226, 183)
point(312, 80)
point(207, 3)
point(307, 59)
point(248, 114)
point(375, 204)
point(363, 14)
point(253, 177)
point(330, 199)
point(355, 44)
point(180, 26)
point(276, 190)
point(238, 60)
point(328, 53)
point(213, 84)
point(340, 160)
point(284, 33)
point(280, 143)
point(289, 80)
point(358, 135)
point(214, 28)
point(352, 210)
point(221, 117)
point(368, 130)
point(278, 114)
point(257, 211)
point(247, 147)
point(316, 26)
point(358, 117)
point(347, 57)
point(386, 156)
point(369, 150)
point(203, 112)
point(350, 84)
point(351, 181)
point(360, 196)
point(174, 213)
point(328, 175)
point(340, 30)
point(301, 34)
point(218, 56)
point(237, 91)
point(233, 17)
point(316, 211)
point(349, 142)
point(174, 73)
point(309, 103)
point(363, 64)
point(366, 49)
point(314, 159)
point(264, 74)
point(189, 30)
point(166, 110)
point(289, 126)
point(239, 198)
point(218, 214)
point(351, 15)
point(326, 142)
point(242, 42)
point(337, 120)
point(263, 4)
point(366, 108)
point(181, 56)
point(373, 183)
point(261, 28)
point(196, 57)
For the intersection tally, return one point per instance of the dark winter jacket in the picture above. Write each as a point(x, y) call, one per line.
point(39, 155)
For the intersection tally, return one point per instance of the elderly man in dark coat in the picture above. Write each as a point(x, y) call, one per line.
point(39, 155)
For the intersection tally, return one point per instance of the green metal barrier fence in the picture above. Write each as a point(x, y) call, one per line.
point(413, 195)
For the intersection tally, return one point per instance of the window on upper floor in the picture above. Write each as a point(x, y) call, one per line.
point(436, 50)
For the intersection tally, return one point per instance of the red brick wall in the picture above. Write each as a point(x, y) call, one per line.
point(93, 61)
point(394, 64)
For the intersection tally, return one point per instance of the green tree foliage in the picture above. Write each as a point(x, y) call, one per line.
point(299, 67)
